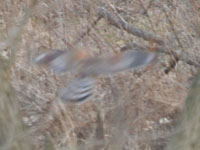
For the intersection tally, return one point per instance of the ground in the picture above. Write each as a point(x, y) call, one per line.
point(135, 109)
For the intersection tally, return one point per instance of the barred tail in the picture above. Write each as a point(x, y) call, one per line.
point(78, 91)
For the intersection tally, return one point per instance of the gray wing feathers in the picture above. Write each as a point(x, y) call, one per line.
point(58, 60)
point(79, 90)
point(109, 65)
point(135, 59)
point(46, 58)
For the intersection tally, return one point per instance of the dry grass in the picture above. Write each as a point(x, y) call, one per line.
point(130, 110)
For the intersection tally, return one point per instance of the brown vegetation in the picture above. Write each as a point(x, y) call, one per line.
point(130, 110)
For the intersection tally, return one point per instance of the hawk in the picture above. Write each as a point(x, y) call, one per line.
point(90, 67)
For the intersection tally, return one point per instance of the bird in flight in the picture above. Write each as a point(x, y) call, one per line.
point(88, 68)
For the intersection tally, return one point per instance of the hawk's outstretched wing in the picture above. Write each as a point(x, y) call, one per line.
point(61, 60)
point(131, 59)
point(48, 57)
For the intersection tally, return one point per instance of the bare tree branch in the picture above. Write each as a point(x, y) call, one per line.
point(122, 24)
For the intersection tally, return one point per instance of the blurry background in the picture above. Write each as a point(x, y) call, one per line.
point(134, 110)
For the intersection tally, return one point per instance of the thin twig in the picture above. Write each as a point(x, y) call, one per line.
point(147, 14)
point(175, 58)
point(87, 31)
